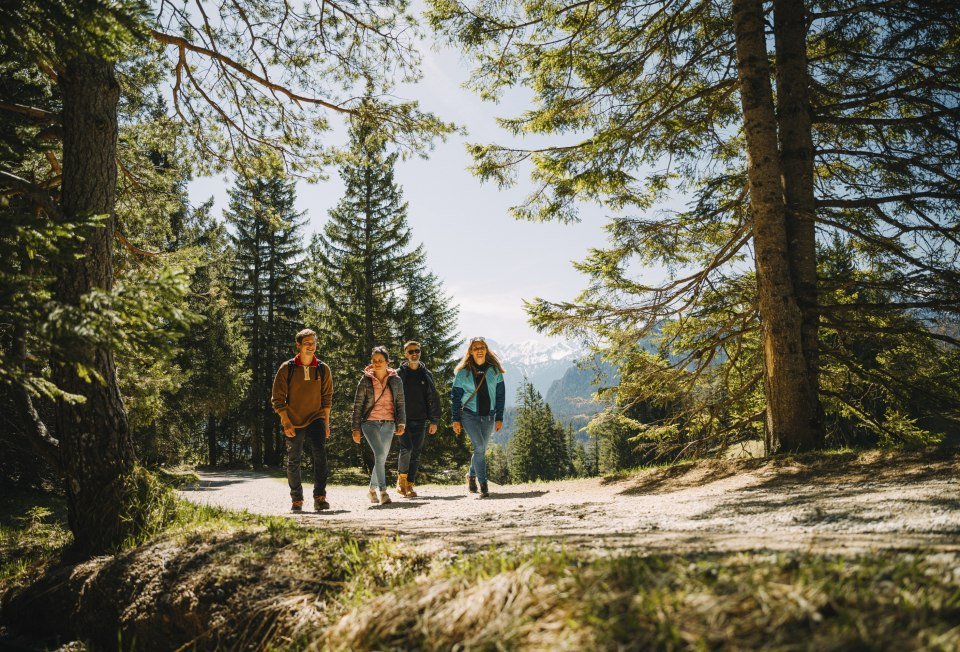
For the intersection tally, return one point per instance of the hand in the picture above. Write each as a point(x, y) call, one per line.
point(457, 427)
point(498, 426)
point(327, 426)
point(356, 436)
point(399, 430)
point(288, 429)
point(432, 429)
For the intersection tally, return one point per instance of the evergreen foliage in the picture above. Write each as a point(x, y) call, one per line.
point(369, 286)
point(268, 285)
point(650, 99)
point(539, 445)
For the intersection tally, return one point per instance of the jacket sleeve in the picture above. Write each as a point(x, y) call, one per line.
point(278, 397)
point(326, 388)
point(399, 402)
point(456, 398)
point(358, 405)
point(433, 400)
point(501, 399)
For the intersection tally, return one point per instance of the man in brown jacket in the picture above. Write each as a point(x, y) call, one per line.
point(302, 395)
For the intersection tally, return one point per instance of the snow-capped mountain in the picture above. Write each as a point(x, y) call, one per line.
point(539, 362)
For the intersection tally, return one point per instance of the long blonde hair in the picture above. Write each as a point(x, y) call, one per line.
point(468, 363)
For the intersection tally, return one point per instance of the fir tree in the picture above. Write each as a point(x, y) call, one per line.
point(369, 286)
point(538, 447)
point(267, 285)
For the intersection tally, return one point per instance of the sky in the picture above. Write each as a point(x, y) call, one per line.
point(488, 261)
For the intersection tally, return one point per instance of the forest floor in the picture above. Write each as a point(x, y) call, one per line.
point(845, 503)
point(835, 551)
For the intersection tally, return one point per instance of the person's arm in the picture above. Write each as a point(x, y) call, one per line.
point(433, 400)
point(500, 402)
point(358, 401)
point(278, 399)
point(326, 397)
point(399, 407)
point(433, 404)
point(456, 398)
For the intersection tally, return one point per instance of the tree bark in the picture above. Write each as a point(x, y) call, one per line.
point(96, 450)
point(796, 159)
point(791, 416)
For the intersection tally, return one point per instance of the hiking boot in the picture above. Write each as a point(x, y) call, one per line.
point(472, 483)
point(402, 484)
point(384, 497)
point(410, 492)
point(484, 490)
point(374, 498)
point(297, 506)
point(320, 503)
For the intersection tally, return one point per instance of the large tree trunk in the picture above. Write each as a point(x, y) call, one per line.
point(96, 450)
point(796, 159)
point(791, 416)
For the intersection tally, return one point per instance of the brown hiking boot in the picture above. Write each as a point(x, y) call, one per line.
point(297, 506)
point(472, 484)
point(384, 497)
point(402, 485)
point(410, 492)
point(374, 498)
point(320, 503)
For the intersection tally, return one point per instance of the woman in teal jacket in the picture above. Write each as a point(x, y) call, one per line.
point(478, 396)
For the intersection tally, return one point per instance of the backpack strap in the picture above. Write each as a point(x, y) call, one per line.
point(292, 365)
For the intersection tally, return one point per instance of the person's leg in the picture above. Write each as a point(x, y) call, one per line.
point(384, 440)
point(371, 432)
point(318, 440)
point(487, 425)
point(403, 460)
point(478, 462)
point(416, 430)
point(294, 454)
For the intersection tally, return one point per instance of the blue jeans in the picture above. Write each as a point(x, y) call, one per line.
point(479, 429)
point(411, 444)
point(316, 431)
point(379, 434)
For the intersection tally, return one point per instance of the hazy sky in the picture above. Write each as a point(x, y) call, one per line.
point(489, 262)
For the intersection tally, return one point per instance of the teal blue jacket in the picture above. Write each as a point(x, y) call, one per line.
point(463, 385)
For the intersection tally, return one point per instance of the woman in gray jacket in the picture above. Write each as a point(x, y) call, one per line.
point(379, 413)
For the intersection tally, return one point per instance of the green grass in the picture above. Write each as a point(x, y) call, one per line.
point(33, 534)
point(243, 580)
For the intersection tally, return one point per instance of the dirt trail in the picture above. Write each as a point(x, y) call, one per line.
point(844, 505)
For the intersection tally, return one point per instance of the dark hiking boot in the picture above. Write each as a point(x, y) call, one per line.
point(320, 503)
point(297, 506)
point(472, 484)
point(484, 490)
point(410, 492)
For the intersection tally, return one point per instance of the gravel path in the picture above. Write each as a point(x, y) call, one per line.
point(884, 504)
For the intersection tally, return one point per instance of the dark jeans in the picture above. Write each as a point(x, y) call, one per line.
point(411, 445)
point(318, 440)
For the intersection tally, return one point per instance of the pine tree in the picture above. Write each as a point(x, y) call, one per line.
point(369, 287)
point(675, 101)
point(538, 446)
point(267, 285)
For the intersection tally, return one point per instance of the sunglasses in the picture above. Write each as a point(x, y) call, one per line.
point(412, 351)
point(477, 339)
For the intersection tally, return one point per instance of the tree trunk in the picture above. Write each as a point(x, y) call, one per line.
point(212, 449)
point(96, 450)
point(791, 416)
point(796, 159)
